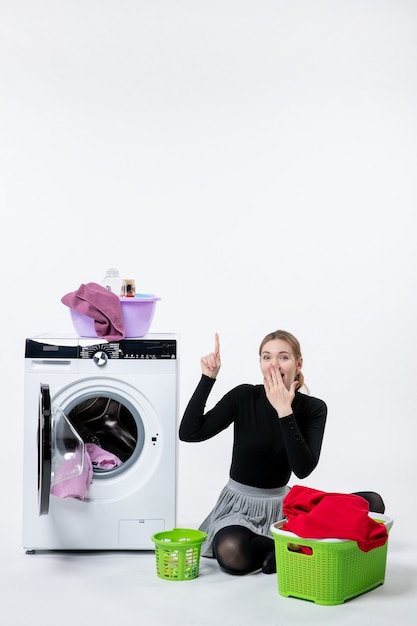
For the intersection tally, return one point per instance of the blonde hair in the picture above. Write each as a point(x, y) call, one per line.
point(295, 347)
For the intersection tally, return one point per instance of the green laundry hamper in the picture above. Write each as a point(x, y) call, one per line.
point(327, 571)
point(177, 553)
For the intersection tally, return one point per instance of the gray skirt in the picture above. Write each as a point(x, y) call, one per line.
point(256, 509)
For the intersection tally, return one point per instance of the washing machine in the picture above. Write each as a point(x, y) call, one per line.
point(122, 398)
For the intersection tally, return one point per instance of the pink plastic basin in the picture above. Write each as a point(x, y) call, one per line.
point(137, 316)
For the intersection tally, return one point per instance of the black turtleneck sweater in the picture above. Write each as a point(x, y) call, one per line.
point(266, 448)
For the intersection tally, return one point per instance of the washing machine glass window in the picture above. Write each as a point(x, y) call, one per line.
point(111, 423)
point(67, 449)
point(60, 449)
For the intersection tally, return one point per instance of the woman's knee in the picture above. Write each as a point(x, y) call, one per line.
point(231, 549)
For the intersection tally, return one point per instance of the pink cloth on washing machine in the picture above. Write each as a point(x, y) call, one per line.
point(102, 305)
point(76, 487)
point(102, 458)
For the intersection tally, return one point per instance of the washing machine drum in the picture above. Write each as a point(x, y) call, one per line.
point(107, 423)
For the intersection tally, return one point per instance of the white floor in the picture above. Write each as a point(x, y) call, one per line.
point(78, 589)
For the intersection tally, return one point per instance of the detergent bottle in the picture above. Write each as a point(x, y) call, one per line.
point(113, 282)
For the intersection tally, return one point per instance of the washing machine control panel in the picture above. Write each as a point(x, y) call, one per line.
point(129, 349)
point(101, 353)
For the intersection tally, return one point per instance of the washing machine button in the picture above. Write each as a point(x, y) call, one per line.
point(100, 358)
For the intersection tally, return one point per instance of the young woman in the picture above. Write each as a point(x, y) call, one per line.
point(277, 431)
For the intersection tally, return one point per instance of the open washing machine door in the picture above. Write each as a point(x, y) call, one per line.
point(60, 449)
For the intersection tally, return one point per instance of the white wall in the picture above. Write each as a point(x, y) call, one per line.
point(252, 163)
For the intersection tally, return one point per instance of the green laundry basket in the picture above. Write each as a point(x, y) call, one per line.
point(177, 553)
point(327, 571)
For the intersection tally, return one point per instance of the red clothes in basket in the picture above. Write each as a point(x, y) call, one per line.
point(315, 514)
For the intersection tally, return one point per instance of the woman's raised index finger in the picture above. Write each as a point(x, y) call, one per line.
point(216, 343)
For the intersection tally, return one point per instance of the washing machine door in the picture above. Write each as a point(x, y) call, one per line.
point(61, 453)
point(44, 449)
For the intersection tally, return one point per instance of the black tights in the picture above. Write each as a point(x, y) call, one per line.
point(238, 550)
